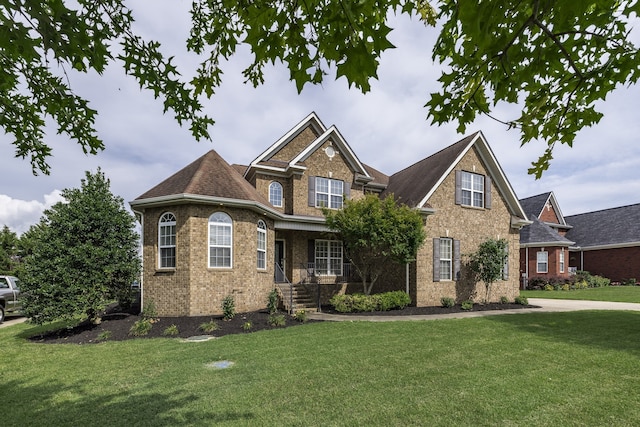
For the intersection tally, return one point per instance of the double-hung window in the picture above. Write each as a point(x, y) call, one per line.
point(328, 257)
point(561, 260)
point(329, 193)
point(542, 262)
point(446, 259)
point(262, 245)
point(220, 240)
point(472, 189)
point(167, 241)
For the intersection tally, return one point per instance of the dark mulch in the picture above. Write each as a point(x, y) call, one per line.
point(117, 324)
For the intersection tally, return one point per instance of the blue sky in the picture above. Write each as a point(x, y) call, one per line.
point(387, 128)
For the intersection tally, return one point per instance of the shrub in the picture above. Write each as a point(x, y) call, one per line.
point(170, 331)
point(228, 307)
point(246, 326)
point(149, 312)
point(341, 303)
point(504, 300)
point(629, 282)
point(548, 287)
point(104, 335)
point(209, 326)
point(447, 302)
point(367, 303)
point(395, 300)
point(301, 316)
point(467, 305)
point(600, 282)
point(277, 319)
point(141, 327)
point(272, 301)
point(361, 302)
point(522, 300)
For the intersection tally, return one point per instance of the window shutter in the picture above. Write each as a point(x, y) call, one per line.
point(458, 187)
point(505, 267)
point(487, 192)
point(456, 260)
point(347, 189)
point(436, 259)
point(312, 191)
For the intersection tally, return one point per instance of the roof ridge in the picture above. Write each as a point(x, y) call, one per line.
point(603, 210)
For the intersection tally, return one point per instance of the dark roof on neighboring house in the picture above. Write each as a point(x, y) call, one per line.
point(540, 234)
point(615, 226)
point(413, 183)
point(379, 178)
point(533, 205)
point(209, 175)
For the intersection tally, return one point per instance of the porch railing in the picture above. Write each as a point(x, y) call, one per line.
point(322, 275)
point(282, 280)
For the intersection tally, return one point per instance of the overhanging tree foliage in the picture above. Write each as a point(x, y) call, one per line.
point(83, 255)
point(553, 59)
point(376, 232)
point(488, 262)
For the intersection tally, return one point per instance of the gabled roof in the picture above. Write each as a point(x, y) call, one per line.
point(534, 205)
point(539, 234)
point(415, 184)
point(210, 176)
point(608, 228)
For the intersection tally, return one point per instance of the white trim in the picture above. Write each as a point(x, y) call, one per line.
point(261, 230)
point(608, 246)
point(230, 246)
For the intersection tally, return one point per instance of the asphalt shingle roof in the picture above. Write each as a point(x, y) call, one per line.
point(533, 205)
point(540, 233)
point(605, 227)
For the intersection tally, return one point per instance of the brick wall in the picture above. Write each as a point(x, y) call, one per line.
point(531, 261)
point(616, 264)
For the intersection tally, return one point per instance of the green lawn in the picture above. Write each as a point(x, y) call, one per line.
point(542, 369)
point(607, 293)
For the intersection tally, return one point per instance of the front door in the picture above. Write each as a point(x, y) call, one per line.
point(279, 261)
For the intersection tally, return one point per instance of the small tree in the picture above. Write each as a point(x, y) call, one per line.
point(8, 251)
point(487, 262)
point(376, 232)
point(81, 256)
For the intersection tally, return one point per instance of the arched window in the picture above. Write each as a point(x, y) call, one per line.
point(275, 194)
point(167, 241)
point(262, 245)
point(220, 240)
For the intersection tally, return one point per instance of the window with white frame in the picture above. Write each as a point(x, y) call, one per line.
point(542, 262)
point(328, 257)
point(472, 189)
point(220, 240)
point(275, 194)
point(329, 193)
point(446, 259)
point(167, 241)
point(262, 245)
point(562, 260)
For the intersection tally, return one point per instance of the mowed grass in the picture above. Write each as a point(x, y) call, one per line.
point(607, 293)
point(541, 369)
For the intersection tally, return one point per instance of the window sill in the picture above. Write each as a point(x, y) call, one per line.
point(475, 208)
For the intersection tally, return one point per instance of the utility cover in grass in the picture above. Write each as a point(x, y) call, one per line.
point(221, 364)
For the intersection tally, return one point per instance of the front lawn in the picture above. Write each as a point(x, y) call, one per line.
point(607, 293)
point(526, 369)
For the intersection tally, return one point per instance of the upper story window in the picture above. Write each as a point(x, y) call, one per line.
point(329, 193)
point(542, 262)
point(473, 189)
point(275, 194)
point(262, 245)
point(167, 241)
point(220, 240)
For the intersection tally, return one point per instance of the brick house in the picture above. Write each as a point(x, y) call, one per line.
point(213, 229)
point(605, 242)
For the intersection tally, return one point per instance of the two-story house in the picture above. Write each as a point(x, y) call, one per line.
point(212, 229)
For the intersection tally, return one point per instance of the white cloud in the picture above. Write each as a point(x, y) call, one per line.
point(19, 215)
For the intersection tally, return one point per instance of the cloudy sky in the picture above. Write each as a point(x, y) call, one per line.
point(387, 128)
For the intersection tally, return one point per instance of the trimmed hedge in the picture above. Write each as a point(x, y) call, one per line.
point(356, 303)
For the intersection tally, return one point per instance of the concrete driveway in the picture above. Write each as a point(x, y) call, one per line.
point(12, 320)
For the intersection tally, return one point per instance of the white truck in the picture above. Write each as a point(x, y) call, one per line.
point(9, 296)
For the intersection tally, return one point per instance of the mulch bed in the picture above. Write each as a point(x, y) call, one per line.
point(118, 324)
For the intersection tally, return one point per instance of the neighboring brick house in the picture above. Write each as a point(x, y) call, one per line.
point(212, 229)
point(605, 242)
point(544, 249)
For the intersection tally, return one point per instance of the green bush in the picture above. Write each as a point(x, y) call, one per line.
point(467, 305)
point(228, 308)
point(246, 326)
point(141, 328)
point(208, 327)
point(171, 331)
point(272, 301)
point(522, 300)
point(367, 303)
point(104, 335)
point(301, 316)
point(447, 302)
point(341, 303)
point(504, 300)
point(149, 311)
point(548, 287)
point(364, 303)
point(277, 319)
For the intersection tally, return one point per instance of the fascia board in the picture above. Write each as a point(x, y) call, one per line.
point(556, 207)
point(609, 246)
point(546, 244)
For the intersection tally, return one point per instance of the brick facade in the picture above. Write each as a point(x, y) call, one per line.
point(616, 264)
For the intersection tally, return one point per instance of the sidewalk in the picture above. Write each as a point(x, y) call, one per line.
point(12, 320)
point(546, 305)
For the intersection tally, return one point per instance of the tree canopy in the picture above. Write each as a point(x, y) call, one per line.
point(553, 60)
point(488, 262)
point(82, 255)
point(375, 231)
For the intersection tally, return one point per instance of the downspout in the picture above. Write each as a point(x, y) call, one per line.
point(140, 215)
